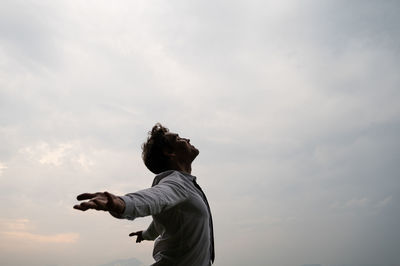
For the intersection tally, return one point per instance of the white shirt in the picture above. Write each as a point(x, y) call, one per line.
point(181, 219)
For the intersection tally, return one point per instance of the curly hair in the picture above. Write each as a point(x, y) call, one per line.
point(153, 149)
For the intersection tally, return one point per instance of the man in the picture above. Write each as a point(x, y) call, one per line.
point(182, 224)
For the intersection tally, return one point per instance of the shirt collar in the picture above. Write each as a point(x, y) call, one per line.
point(162, 175)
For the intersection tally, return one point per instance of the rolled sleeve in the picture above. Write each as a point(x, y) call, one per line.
point(129, 208)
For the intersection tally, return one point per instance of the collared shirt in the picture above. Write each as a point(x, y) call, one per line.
point(181, 219)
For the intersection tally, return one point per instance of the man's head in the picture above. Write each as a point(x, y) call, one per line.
point(165, 150)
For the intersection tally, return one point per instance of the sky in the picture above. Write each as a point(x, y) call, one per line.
point(294, 106)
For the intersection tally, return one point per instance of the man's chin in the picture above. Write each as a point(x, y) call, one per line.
point(195, 152)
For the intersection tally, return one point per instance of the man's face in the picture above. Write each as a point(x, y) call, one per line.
point(182, 148)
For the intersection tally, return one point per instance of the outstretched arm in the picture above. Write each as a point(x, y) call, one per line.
point(154, 200)
point(101, 201)
point(151, 201)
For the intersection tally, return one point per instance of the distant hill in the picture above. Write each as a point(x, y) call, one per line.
point(127, 262)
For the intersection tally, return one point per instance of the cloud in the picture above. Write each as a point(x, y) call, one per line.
point(58, 154)
point(352, 203)
point(294, 106)
point(53, 156)
point(357, 203)
point(385, 202)
point(14, 224)
point(364, 202)
point(68, 238)
point(2, 167)
point(27, 34)
point(19, 229)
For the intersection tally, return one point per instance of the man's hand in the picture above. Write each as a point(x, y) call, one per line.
point(101, 201)
point(139, 235)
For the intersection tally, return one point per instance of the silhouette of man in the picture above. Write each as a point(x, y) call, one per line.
point(182, 224)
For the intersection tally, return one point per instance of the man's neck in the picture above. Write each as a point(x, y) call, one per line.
point(184, 168)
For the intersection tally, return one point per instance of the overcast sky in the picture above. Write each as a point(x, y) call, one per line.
point(294, 106)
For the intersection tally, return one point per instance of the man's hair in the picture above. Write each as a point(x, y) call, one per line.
point(153, 149)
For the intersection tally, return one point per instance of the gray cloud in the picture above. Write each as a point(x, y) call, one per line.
point(292, 105)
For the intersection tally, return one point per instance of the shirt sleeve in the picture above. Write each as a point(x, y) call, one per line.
point(151, 232)
point(152, 201)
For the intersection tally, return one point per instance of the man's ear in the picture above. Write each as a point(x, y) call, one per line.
point(169, 153)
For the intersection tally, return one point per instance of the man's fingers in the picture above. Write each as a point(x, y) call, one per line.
point(86, 196)
point(86, 206)
point(134, 234)
point(79, 207)
point(139, 237)
point(103, 201)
